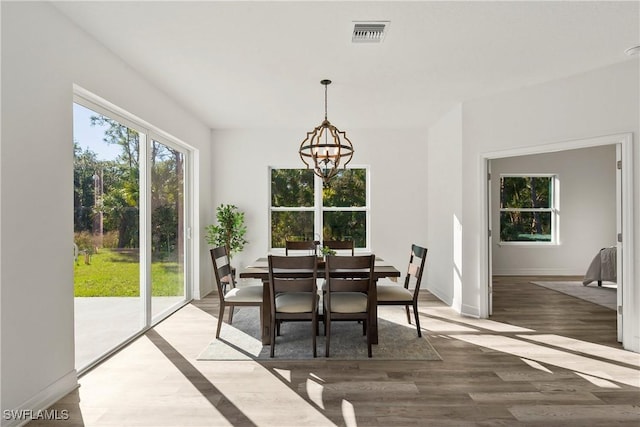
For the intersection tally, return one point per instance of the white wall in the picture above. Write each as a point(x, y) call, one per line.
point(398, 176)
point(444, 208)
point(587, 183)
point(600, 102)
point(43, 55)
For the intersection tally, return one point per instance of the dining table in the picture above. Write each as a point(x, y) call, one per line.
point(259, 269)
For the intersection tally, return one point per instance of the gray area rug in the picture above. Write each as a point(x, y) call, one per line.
point(605, 296)
point(397, 340)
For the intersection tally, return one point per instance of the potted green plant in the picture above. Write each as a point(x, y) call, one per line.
point(229, 231)
point(326, 250)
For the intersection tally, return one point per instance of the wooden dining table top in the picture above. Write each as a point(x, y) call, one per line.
point(259, 269)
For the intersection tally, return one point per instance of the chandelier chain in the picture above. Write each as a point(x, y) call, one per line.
point(325, 102)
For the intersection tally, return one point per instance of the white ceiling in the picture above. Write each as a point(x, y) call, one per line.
point(239, 64)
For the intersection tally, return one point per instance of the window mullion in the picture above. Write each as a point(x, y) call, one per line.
point(318, 206)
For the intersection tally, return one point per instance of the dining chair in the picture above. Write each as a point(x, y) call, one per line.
point(310, 247)
point(236, 296)
point(390, 293)
point(293, 293)
point(349, 282)
point(337, 245)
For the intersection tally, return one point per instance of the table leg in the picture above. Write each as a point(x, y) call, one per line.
point(265, 321)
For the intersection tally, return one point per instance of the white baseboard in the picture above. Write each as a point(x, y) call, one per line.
point(470, 311)
point(41, 401)
point(634, 345)
point(537, 272)
point(445, 298)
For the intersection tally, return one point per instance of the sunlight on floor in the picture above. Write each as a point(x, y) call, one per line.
point(349, 414)
point(535, 365)
point(436, 325)
point(263, 396)
point(314, 391)
point(218, 393)
point(555, 357)
point(597, 350)
point(449, 314)
point(98, 391)
point(598, 381)
point(285, 374)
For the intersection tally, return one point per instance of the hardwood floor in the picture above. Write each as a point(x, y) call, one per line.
point(543, 359)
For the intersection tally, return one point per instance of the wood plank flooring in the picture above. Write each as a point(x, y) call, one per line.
point(542, 359)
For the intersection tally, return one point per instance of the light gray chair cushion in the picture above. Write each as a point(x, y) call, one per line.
point(244, 282)
point(245, 294)
point(348, 302)
point(295, 302)
point(393, 292)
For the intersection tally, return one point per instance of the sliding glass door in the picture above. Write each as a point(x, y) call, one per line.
point(106, 233)
point(129, 229)
point(167, 228)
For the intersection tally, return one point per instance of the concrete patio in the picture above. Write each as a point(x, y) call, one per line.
point(102, 323)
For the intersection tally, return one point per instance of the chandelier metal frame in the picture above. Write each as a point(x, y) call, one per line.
point(326, 147)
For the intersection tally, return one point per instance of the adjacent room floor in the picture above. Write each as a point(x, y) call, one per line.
point(544, 358)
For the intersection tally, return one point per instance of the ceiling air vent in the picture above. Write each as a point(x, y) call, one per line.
point(369, 32)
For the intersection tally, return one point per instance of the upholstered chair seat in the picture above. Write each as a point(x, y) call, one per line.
point(393, 292)
point(349, 302)
point(295, 302)
point(247, 294)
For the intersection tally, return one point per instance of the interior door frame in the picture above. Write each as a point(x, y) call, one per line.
point(489, 242)
point(625, 203)
point(619, 246)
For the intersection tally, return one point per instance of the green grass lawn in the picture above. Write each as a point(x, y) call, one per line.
point(117, 274)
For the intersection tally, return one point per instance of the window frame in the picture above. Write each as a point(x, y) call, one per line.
point(318, 208)
point(554, 209)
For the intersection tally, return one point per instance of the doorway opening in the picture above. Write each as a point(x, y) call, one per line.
point(623, 231)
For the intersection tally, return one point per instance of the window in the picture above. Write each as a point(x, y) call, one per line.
point(303, 209)
point(528, 209)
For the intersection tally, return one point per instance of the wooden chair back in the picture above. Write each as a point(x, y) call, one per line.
point(309, 246)
point(292, 274)
point(222, 270)
point(349, 274)
point(337, 245)
point(415, 269)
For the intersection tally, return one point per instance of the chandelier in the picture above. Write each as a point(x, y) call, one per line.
point(326, 147)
